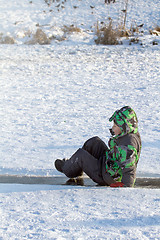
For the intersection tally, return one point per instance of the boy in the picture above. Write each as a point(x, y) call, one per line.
point(114, 166)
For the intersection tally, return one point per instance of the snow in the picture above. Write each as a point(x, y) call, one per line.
point(78, 213)
point(56, 96)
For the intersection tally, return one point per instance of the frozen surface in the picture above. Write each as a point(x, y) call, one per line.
point(54, 97)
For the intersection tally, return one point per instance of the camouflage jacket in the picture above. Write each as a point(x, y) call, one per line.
point(122, 157)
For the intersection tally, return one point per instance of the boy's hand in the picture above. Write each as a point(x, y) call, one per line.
point(117, 184)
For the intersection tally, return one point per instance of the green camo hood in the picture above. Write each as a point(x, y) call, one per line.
point(126, 119)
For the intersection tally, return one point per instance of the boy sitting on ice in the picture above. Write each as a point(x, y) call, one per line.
point(114, 166)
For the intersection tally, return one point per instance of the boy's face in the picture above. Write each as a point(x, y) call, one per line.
point(116, 129)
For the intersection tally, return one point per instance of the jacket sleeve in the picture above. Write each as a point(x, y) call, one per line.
point(129, 176)
point(126, 157)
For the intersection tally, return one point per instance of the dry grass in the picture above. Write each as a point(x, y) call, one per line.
point(107, 35)
point(67, 30)
point(39, 38)
point(70, 29)
point(6, 39)
point(157, 28)
point(134, 40)
point(155, 31)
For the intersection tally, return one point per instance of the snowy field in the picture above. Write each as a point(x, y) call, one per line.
point(53, 98)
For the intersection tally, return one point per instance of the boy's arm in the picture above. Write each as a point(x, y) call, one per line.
point(127, 160)
point(128, 179)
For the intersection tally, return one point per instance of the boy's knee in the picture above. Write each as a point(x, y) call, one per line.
point(90, 142)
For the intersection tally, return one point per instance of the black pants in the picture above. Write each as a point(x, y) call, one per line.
point(88, 159)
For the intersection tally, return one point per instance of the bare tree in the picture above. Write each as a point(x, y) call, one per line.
point(125, 12)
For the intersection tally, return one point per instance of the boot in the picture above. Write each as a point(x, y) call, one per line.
point(59, 164)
